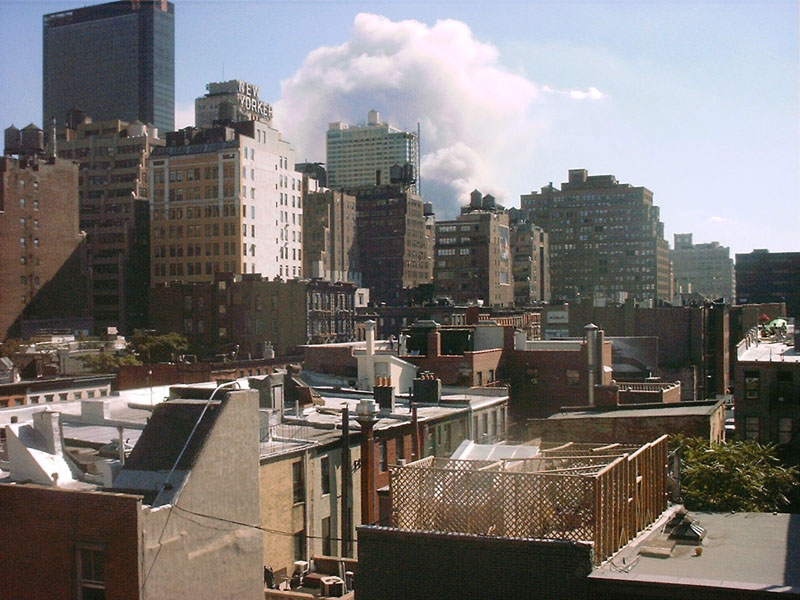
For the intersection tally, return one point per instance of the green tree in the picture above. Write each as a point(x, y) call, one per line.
point(742, 476)
point(151, 348)
point(105, 362)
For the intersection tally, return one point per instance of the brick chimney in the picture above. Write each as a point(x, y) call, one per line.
point(427, 388)
point(384, 394)
point(434, 344)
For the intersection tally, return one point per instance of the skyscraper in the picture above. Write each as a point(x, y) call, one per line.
point(111, 61)
point(606, 239)
point(363, 155)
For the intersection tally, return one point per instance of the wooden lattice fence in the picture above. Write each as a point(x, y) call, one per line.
point(604, 495)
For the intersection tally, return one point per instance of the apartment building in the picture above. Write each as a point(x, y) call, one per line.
point(473, 254)
point(606, 239)
point(41, 244)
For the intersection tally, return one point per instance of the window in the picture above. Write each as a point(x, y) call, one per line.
point(752, 426)
point(90, 563)
point(400, 448)
point(751, 384)
point(325, 468)
point(573, 377)
point(784, 430)
point(383, 462)
point(298, 483)
point(300, 545)
point(327, 540)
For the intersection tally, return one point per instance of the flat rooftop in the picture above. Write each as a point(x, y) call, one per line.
point(742, 551)
point(677, 409)
point(767, 351)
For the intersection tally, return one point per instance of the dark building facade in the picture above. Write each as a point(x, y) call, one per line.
point(764, 277)
point(115, 214)
point(390, 231)
point(246, 315)
point(112, 61)
point(606, 239)
point(41, 245)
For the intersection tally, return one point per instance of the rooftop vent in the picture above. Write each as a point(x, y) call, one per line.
point(683, 527)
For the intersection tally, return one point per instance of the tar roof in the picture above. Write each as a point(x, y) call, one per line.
point(678, 409)
point(756, 551)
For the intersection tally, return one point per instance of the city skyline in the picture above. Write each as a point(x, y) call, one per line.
point(702, 116)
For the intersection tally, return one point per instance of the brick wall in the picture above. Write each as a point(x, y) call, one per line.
point(40, 527)
point(407, 565)
point(628, 430)
point(462, 369)
point(334, 360)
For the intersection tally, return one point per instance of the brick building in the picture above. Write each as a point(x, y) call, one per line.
point(40, 239)
point(767, 390)
point(473, 255)
point(606, 239)
point(769, 277)
point(633, 424)
point(546, 376)
point(530, 248)
point(693, 342)
point(192, 476)
point(390, 230)
point(114, 213)
point(246, 314)
point(330, 251)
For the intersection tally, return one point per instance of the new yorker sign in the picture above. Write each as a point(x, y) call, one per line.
point(244, 97)
point(248, 100)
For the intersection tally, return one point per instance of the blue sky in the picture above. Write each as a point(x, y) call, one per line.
point(698, 101)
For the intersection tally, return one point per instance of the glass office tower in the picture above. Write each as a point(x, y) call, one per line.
point(111, 61)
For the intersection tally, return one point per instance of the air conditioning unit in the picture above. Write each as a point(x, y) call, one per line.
point(332, 586)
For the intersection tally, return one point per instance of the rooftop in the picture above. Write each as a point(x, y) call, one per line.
point(750, 551)
point(678, 409)
point(767, 351)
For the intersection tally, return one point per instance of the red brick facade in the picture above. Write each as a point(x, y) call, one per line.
point(42, 529)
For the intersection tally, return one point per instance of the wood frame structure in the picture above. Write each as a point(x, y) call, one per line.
point(600, 494)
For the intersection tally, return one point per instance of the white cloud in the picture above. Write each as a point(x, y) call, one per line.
point(716, 220)
point(477, 118)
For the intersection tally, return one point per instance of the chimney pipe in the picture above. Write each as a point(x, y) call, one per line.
point(347, 485)
point(591, 359)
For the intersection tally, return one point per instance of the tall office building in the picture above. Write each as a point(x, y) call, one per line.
point(706, 269)
point(363, 155)
point(606, 239)
point(473, 254)
point(111, 61)
point(763, 276)
point(115, 214)
point(41, 243)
